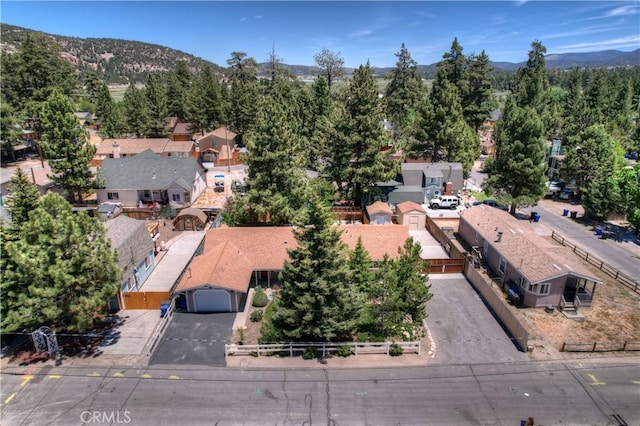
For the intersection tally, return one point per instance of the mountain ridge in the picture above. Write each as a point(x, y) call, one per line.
point(119, 61)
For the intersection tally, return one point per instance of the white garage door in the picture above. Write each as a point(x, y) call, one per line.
point(414, 223)
point(212, 300)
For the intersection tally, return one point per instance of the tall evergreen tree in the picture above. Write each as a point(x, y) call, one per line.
point(178, 84)
point(9, 128)
point(108, 113)
point(356, 163)
point(479, 102)
point(61, 270)
point(65, 143)
point(532, 82)
point(518, 170)
point(405, 89)
point(244, 91)
point(449, 134)
point(136, 111)
point(275, 180)
point(454, 65)
point(23, 199)
point(206, 102)
point(316, 302)
point(155, 91)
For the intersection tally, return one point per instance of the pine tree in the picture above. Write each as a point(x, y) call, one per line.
point(155, 92)
point(178, 84)
point(136, 111)
point(405, 89)
point(479, 102)
point(403, 288)
point(518, 170)
point(275, 158)
point(111, 124)
point(59, 271)
point(206, 102)
point(244, 91)
point(316, 302)
point(11, 133)
point(452, 138)
point(331, 65)
point(360, 265)
point(65, 143)
point(356, 162)
point(23, 199)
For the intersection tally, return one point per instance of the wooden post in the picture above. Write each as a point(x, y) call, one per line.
point(563, 345)
point(594, 346)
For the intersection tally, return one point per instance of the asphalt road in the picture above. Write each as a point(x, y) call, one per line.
point(570, 393)
point(625, 259)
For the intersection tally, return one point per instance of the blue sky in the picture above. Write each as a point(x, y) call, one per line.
point(359, 30)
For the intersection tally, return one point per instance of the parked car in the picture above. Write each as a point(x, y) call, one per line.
point(566, 194)
point(444, 201)
point(555, 187)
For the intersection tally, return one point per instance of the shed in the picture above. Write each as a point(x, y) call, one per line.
point(190, 219)
point(379, 213)
point(412, 215)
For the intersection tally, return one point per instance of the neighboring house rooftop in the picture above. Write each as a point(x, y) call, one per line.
point(231, 255)
point(133, 146)
point(535, 257)
point(148, 171)
point(378, 207)
point(130, 238)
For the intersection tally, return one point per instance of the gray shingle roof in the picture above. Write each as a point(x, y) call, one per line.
point(148, 170)
point(130, 238)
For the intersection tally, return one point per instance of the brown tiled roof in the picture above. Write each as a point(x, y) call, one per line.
point(133, 146)
point(537, 258)
point(409, 206)
point(240, 251)
point(179, 146)
point(221, 132)
point(378, 207)
point(181, 129)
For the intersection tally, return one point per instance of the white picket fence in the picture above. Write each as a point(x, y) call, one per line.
point(323, 349)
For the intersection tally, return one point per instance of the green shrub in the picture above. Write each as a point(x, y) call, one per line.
point(362, 337)
point(376, 338)
point(256, 316)
point(344, 351)
point(310, 353)
point(395, 350)
point(260, 299)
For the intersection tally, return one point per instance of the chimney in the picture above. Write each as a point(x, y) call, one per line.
point(448, 188)
point(499, 237)
point(116, 150)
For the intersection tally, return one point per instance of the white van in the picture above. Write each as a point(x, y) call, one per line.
point(444, 201)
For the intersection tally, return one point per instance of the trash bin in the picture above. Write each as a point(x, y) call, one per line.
point(565, 212)
point(533, 215)
point(537, 218)
point(164, 307)
point(598, 230)
point(574, 214)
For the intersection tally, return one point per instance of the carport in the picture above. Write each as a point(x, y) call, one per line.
point(194, 339)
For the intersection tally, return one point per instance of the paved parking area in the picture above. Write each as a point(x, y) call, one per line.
point(463, 328)
point(194, 339)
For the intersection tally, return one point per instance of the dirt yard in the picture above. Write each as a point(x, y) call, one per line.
point(613, 317)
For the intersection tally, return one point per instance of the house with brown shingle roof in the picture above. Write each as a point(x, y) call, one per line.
point(123, 148)
point(236, 259)
point(218, 146)
point(525, 262)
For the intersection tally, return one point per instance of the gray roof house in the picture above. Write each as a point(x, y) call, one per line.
point(421, 182)
point(134, 246)
point(149, 178)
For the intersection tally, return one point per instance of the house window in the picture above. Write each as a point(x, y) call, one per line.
point(523, 283)
point(503, 265)
point(112, 195)
point(187, 197)
point(147, 262)
point(433, 180)
point(544, 288)
point(175, 197)
point(533, 288)
point(147, 194)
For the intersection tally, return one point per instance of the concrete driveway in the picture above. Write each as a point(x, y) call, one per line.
point(464, 330)
point(194, 339)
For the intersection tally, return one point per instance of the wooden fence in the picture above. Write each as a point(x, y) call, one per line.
point(445, 266)
point(622, 278)
point(143, 299)
point(324, 349)
point(600, 347)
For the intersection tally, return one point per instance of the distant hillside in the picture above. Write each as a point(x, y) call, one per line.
point(123, 61)
point(115, 61)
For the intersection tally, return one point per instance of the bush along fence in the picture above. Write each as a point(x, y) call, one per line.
point(604, 267)
point(324, 349)
point(600, 347)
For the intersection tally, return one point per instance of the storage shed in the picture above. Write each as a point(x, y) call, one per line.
point(379, 213)
point(412, 215)
point(190, 219)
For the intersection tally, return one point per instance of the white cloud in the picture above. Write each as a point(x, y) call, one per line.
point(630, 9)
point(520, 2)
point(243, 19)
point(615, 43)
point(361, 33)
point(258, 17)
